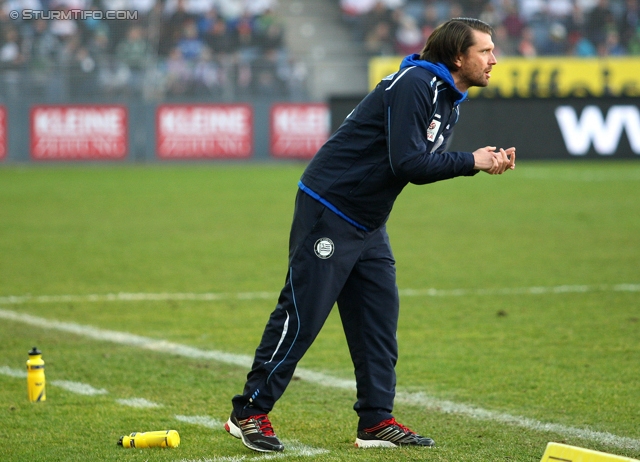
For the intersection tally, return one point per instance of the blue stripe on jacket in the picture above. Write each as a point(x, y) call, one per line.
point(330, 206)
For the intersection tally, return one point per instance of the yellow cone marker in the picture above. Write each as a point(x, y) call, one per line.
point(557, 452)
point(159, 439)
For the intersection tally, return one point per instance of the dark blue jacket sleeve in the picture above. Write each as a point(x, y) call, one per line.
point(409, 111)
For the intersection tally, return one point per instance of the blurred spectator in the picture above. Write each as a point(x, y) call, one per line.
point(490, 14)
point(208, 78)
point(42, 50)
point(191, 7)
point(526, 47)
point(356, 8)
point(173, 27)
point(266, 74)
point(576, 22)
point(633, 46)
point(11, 61)
point(190, 45)
point(231, 10)
point(379, 40)
point(113, 75)
point(207, 20)
point(504, 45)
point(430, 21)
point(409, 38)
point(133, 53)
point(512, 21)
point(380, 13)
point(82, 74)
point(630, 21)
point(530, 10)
point(143, 7)
point(597, 21)
point(259, 7)
point(243, 31)
point(455, 10)
point(522, 27)
point(472, 8)
point(231, 48)
point(269, 31)
point(559, 10)
point(363, 15)
point(556, 44)
point(63, 28)
point(218, 37)
point(583, 47)
point(611, 45)
point(178, 74)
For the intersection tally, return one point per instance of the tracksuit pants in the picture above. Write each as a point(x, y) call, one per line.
point(330, 261)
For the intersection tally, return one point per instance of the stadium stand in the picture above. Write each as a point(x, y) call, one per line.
point(234, 49)
point(523, 27)
point(177, 48)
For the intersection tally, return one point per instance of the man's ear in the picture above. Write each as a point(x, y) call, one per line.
point(458, 61)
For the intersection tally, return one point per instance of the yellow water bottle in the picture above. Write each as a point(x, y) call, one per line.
point(35, 376)
point(159, 439)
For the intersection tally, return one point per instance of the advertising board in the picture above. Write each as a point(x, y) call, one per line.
point(78, 132)
point(298, 130)
point(211, 131)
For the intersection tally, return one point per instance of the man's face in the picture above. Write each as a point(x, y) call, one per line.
point(475, 65)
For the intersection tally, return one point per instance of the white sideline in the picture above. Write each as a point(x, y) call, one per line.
point(79, 388)
point(139, 403)
point(74, 387)
point(213, 296)
point(294, 448)
point(319, 378)
point(202, 420)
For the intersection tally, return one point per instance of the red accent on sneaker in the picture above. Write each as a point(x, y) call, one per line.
point(388, 422)
point(265, 425)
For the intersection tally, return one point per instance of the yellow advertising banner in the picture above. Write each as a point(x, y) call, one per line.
point(544, 77)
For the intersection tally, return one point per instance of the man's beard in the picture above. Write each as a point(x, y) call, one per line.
point(476, 80)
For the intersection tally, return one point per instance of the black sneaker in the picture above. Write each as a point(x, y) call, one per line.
point(255, 432)
point(390, 434)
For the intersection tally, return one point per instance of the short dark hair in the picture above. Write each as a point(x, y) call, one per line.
point(451, 39)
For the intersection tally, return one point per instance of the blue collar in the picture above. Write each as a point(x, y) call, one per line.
point(438, 69)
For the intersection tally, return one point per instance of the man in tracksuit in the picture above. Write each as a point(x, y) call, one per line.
point(339, 249)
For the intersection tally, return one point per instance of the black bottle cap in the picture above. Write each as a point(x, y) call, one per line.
point(34, 351)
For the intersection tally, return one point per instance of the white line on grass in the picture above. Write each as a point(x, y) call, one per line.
point(137, 297)
point(79, 388)
point(449, 407)
point(12, 372)
point(294, 448)
point(74, 387)
point(219, 459)
point(319, 378)
point(202, 420)
point(271, 456)
point(138, 402)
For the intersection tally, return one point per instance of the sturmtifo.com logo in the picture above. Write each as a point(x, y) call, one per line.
point(74, 14)
point(323, 248)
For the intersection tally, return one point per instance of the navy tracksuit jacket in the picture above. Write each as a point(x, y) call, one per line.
point(339, 249)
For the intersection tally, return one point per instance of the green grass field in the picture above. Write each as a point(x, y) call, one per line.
point(147, 288)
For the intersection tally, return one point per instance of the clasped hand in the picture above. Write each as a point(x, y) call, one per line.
point(495, 162)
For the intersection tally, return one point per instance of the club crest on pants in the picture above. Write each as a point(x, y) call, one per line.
point(323, 248)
